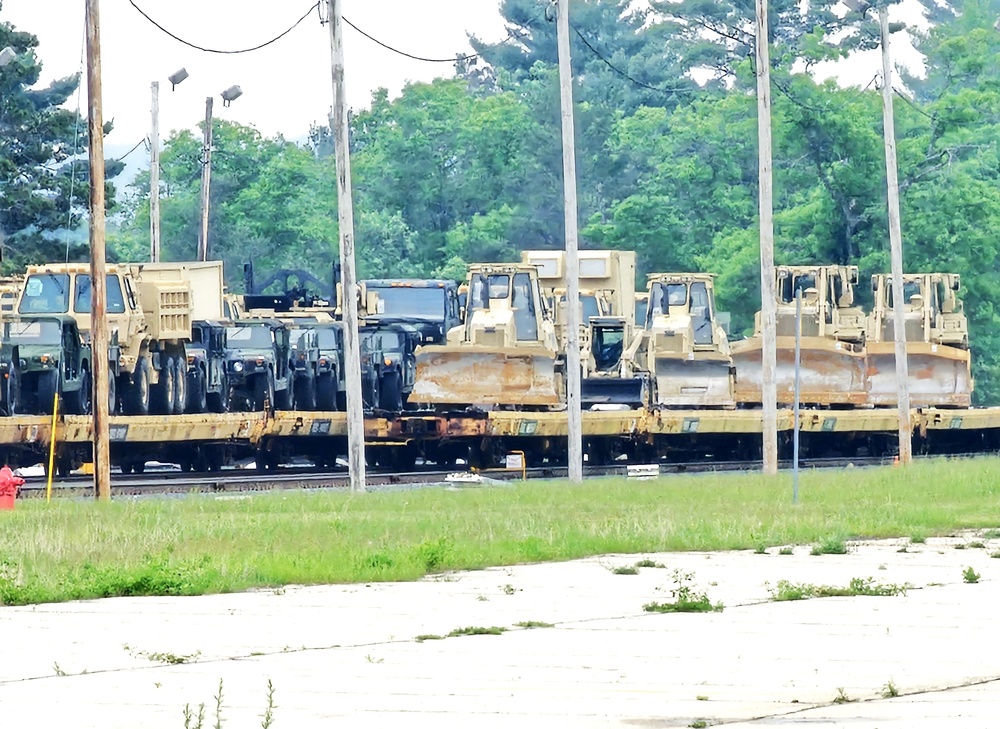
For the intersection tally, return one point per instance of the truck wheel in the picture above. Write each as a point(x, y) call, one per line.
point(137, 394)
point(284, 397)
point(217, 402)
point(263, 391)
point(391, 395)
point(47, 384)
point(79, 402)
point(180, 386)
point(305, 393)
point(112, 394)
point(166, 389)
point(197, 394)
point(326, 393)
point(10, 391)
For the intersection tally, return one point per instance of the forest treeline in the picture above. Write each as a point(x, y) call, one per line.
point(469, 169)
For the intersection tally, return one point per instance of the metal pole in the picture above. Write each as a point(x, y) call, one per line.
point(206, 182)
point(345, 210)
point(573, 414)
point(98, 319)
point(768, 306)
point(795, 412)
point(896, 246)
point(154, 177)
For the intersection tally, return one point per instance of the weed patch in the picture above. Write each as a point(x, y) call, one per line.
point(428, 636)
point(624, 571)
point(829, 545)
point(786, 591)
point(476, 630)
point(970, 576)
point(530, 624)
point(685, 598)
point(650, 563)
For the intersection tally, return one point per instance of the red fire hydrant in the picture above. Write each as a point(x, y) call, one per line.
point(9, 484)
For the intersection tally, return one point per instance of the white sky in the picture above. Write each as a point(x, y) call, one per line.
point(286, 86)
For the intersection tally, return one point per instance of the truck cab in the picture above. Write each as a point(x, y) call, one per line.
point(49, 357)
point(258, 356)
point(429, 306)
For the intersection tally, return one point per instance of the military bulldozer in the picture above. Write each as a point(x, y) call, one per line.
point(150, 318)
point(832, 340)
point(505, 354)
point(609, 339)
point(937, 342)
point(687, 348)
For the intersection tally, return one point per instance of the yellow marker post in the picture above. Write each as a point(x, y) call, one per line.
point(52, 446)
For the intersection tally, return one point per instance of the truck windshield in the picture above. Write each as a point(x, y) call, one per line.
point(115, 302)
point(327, 338)
point(391, 341)
point(590, 307)
point(45, 293)
point(259, 337)
point(34, 332)
point(412, 301)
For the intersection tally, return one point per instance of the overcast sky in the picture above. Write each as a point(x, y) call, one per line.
point(286, 86)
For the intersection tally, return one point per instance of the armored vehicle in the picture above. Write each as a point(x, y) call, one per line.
point(258, 357)
point(937, 342)
point(330, 387)
point(396, 367)
point(208, 383)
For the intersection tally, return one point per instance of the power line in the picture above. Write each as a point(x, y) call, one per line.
point(119, 159)
point(622, 73)
point(375, 40)
point(216, 50)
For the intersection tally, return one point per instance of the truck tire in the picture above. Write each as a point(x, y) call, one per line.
point(79, 402)
point(10, 391)
point(197, 392)
point(165, 390)
point(305, 393)
point(218, 402)
point(112, 394)
point(47, 384)
point(391, 393)
point(284, 398)
point(263, 392)
point(137, 394)
point(326, 393)
point(180, 386)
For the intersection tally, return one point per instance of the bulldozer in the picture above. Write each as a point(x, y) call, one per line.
point(937, 342)
point(686, 347)
point(505, 355)
point(608, 335)
point(832, 340)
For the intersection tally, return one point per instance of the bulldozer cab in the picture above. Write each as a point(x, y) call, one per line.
point(505, 307)
point(684, 304)
point(931, 309)
point(827, 302)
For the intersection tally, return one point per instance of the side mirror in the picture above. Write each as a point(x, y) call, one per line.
point(874, 285)
point(956, 282)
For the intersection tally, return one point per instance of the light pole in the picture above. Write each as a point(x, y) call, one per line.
point(154, 165)
point(7, 55)
point(228, 96)
point(895, 232)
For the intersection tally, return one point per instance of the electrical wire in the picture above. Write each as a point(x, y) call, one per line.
point(373, 39)
point(141, 141)
point(637, 82)
point(220, 51)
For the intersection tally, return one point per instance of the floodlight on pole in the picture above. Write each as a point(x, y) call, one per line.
point(858, 6)
point(231, 94)
point(176, 77)
point(7, 55)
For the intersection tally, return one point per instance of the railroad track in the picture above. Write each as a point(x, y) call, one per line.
point(307, 478)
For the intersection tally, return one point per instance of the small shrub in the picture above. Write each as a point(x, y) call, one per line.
point(650, 563)
point(698, 724)
point(530, 624)
point(991, 534)
point(842, 697)
point(786, 591)
point(686, 599)
point(760, 549)
point(918, 538)
point(976, 545)
point(475, 630)
point(624, 571)
point(785, 551)
point(889, 691)
point(830, 545)
point(995, 555)
point(428, 636)
point(970, 576)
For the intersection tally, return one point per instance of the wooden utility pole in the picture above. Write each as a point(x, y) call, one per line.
point(896, 246)
point(154, 177)
point(345, 210)
point(206, 182)
point(573, 385)
point(98, 268)
point(768, 304)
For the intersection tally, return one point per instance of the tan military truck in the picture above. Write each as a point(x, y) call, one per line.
point(687, 349)
point(937, 342)
point(832, 350)
point(505, 354)
point(150, 315)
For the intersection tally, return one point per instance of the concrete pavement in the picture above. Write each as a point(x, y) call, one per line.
point(349, 655)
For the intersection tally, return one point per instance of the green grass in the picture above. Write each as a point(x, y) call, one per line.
point(786, 591)
point(77, 549)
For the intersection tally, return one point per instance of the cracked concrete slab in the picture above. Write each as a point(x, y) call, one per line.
point(350, 653)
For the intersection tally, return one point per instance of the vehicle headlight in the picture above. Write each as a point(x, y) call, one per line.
point(237, 366)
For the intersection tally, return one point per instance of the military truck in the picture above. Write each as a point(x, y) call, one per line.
point(330, 386)
point(49, 357)
point(937, 342)
point(208, 383)
point(151, 317)
point(396, 367)
point(305, 356)
point(429, 306)
point(258, 357)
